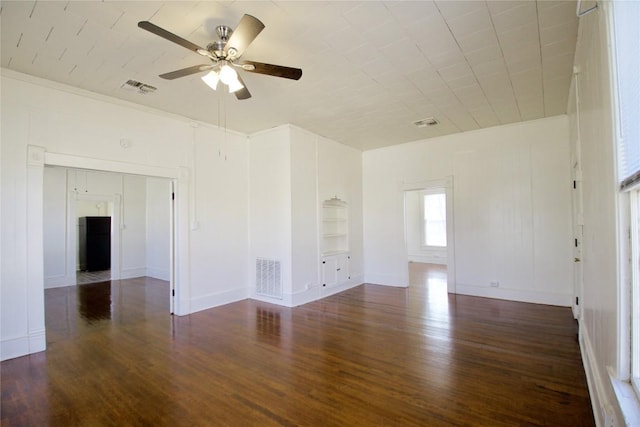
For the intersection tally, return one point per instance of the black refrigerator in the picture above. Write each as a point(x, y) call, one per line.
point(94, 234)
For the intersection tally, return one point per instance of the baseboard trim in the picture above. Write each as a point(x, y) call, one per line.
point(594, 379)
point(562, 300)
point(132, 273)
point(314, 293)
point(217, 299)
point(425, 259)
point(320, 292)
point(158, 273)
point(21, 346)
point(384, 280)
point(59, 281)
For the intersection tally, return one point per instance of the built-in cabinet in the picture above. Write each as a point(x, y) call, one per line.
point(335, 242)
point(335, 269)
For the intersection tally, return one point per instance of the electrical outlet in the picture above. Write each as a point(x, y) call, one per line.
point(494, 284)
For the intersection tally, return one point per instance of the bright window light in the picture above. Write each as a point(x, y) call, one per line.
point(435, 220)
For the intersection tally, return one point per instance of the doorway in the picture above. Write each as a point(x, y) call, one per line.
point(429, 233)
point(141, 232)
point(96, 248)
point(37, 159)
point(103, 226)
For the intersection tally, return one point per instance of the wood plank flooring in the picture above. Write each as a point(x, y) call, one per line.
point(84, 277)
point(370, 356)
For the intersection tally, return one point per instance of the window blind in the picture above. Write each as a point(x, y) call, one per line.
point(626, 15)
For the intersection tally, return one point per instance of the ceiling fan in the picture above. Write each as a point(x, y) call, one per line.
point(225, 54)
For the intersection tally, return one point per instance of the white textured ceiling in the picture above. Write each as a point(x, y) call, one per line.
point(370, 68)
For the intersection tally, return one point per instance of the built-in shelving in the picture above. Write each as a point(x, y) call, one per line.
point(335, 227)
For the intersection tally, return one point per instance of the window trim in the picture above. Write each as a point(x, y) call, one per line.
point(626, 387)
point(634, 280)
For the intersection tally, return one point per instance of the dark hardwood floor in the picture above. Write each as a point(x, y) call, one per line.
point(371, 356)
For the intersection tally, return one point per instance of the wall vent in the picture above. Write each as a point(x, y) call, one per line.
point(268, 280)
point(142, 88)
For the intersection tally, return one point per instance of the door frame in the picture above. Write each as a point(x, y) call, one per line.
point(37, 158)
point(576, 196)
point(426, 185)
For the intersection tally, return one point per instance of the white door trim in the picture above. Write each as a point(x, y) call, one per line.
point(37, 158)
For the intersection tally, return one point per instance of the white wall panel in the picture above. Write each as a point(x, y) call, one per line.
point(304, 211)
point(14, 306)
point(270, 201)
point(55, 227)
point(219, 236)
point(134, 229)
point(158, 227)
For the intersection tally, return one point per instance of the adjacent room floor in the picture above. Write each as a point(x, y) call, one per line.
point(84, 277)
point(370, 356)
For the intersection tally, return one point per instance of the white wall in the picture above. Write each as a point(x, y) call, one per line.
point(511, 209)
point(133, 247)
point(270, 202)
point(599, 322)
point(73, 125)
point(55, 229)
point(305, 259)
point(219, 235)
point(158, 228)
point(291, 172)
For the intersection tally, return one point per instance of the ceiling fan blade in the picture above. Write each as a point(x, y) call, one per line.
point(247, 30)
point(273, 70)
point(186, 71)
point(152, 28)
point(244, 92)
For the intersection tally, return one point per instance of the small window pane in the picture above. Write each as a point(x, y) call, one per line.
point(435, 220)
point(627, 45)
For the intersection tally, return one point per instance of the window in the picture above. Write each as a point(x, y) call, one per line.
point(626, 16)
point(626, 36)
point(435, 220)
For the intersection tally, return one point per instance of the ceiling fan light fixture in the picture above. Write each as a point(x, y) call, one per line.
point(211, 79)
point(228, 75)
point(235, 86)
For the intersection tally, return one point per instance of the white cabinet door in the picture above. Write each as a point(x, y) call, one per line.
point(335, 270)
point(329, 271)
point(343, 268)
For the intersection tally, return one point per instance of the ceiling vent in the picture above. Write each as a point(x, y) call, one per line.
point(429, 121)
point(142, 88)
